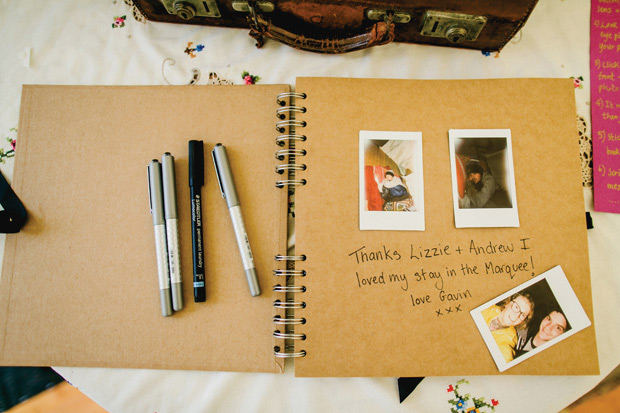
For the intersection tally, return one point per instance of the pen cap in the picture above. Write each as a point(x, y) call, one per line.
point(169, 184)
point(196, 163)
point(224, 175)
point(155, 192)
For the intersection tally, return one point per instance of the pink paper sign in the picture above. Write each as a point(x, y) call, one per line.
point(605, 103)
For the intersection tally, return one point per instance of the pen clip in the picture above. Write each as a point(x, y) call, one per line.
point(148, 176)
point(217, 175)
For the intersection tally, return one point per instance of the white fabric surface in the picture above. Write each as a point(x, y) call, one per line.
point(73, 42)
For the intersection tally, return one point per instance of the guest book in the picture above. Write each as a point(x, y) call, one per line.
point(79, 283)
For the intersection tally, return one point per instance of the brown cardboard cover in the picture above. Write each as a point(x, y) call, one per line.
point(79, 285)
point(376, 331)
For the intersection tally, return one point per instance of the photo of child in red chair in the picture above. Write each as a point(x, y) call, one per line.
point(391, 180)
point(394, 193)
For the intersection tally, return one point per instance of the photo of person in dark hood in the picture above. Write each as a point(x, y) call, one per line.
point(482, 190)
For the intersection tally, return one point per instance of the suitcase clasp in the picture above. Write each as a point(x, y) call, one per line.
point(454, 27)
point(400, 17)
point(188, 9)
point(246, 7)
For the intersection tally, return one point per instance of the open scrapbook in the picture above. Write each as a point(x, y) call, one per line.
point(79, 283)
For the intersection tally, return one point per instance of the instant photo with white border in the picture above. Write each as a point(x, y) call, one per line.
point(494, 185)
point(404, 151)
point(566, 300)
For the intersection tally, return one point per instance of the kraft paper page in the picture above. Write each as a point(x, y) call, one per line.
point(79, 285)
point(396, 303)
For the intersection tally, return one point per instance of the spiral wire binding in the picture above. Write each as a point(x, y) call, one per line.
point(281, 99)
point(281, 154)
point(287, 167)
point(288, 320)
point(289, 352)
point(281, 112)
point(290, 257)
point(288, 291)
point(289, 273)
point(283, 124)
point(282, 139)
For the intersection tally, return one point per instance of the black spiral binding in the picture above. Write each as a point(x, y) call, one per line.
point(289, 303)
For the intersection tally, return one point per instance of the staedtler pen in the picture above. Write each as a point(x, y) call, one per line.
point(196, 181)
point(156, 201)
point(172, 229)
point(225, 179)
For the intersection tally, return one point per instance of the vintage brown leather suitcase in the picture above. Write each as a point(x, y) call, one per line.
point(343, 26)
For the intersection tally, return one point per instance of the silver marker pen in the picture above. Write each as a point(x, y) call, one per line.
point(156, 200)
point(172, 229)
point(224, 175)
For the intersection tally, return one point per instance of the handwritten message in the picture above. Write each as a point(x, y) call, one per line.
point(605, 102)
point(425, 280)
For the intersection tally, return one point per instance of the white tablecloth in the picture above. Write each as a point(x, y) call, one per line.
point(77, 42)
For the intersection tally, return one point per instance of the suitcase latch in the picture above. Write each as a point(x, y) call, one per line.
point(455, 27)
point(262, 6)
point(188, 9)
point(381, 15)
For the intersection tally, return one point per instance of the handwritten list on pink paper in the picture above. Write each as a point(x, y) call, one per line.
point(605, 103)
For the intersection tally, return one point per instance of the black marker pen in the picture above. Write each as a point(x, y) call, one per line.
point(196, 181)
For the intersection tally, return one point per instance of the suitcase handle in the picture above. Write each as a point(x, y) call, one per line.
point(380, 33)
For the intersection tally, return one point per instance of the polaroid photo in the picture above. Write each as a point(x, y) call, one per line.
point(530, 318)
point(391, 182)
point(483, 179)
